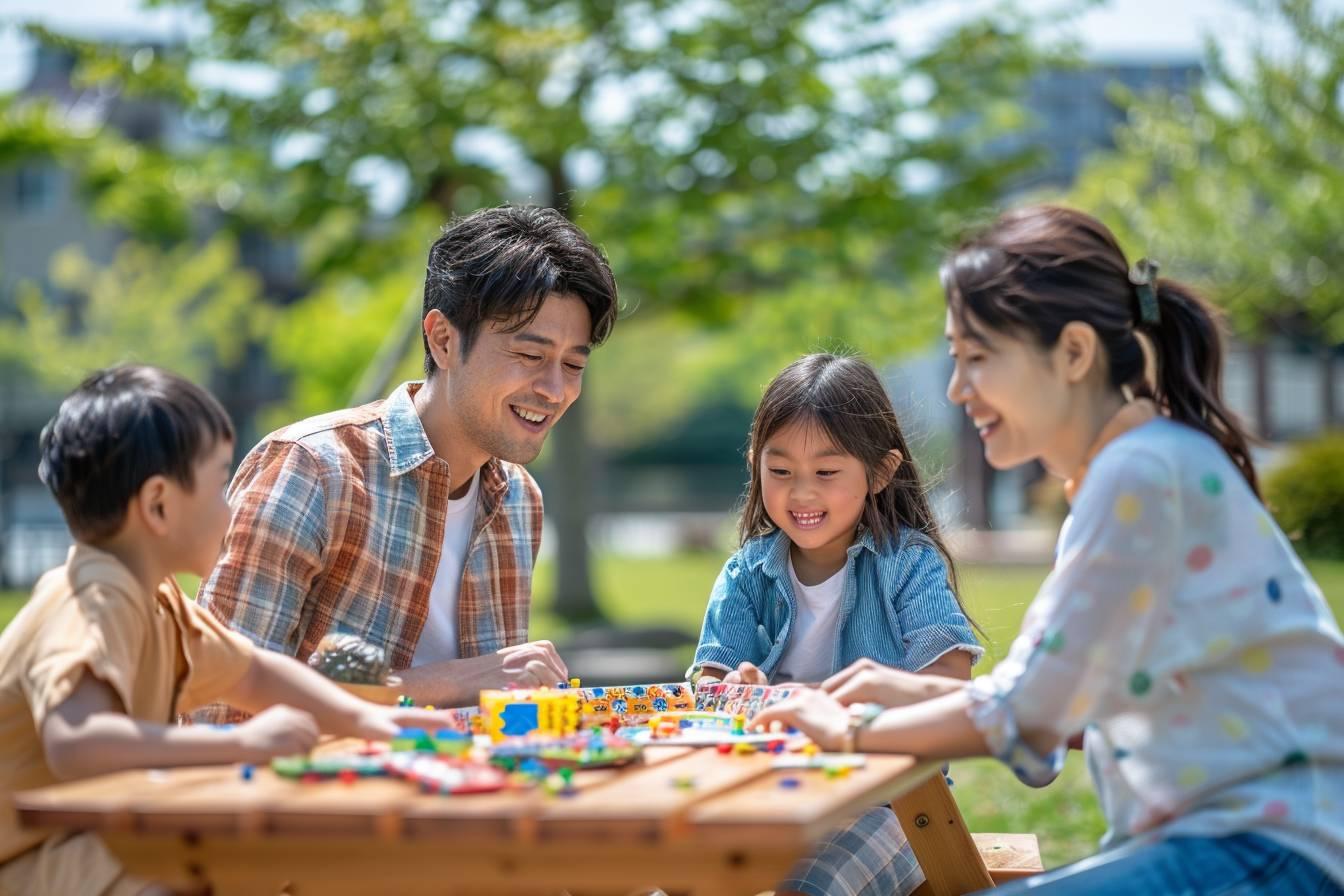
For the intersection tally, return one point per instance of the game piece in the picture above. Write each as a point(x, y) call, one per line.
point(697, 729)
point(820, 760)
point(591, 750)
point(445, 775)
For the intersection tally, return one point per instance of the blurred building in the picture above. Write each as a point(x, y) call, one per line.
point(1282, 389)
point(43, 209)
point(41, 212)
point(1074, 111)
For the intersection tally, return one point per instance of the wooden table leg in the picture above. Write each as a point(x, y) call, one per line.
point(933, 824)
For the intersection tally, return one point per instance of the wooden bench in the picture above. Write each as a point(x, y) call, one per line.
point(954, 860)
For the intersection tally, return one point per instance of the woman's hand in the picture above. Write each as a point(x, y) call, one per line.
point(815, 713)
point(746, 673)
point(867, 681)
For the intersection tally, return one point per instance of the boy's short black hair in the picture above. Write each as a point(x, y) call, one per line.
point(502, 263)
point(118, 428)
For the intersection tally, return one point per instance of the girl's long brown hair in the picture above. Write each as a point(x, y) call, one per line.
point(844, 399)
point(1038, 268)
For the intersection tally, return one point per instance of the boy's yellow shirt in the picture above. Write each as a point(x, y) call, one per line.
point(158, 651)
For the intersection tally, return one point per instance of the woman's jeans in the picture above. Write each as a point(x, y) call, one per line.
point(1238, 865)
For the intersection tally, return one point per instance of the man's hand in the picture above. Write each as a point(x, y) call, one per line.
point(746, 673)
point(459, 682)
point(867, 681)
point(277, 731)
point(534, 664)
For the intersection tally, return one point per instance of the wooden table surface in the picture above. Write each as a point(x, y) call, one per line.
point(735, 830)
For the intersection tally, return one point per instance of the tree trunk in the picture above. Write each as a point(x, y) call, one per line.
point(1260, 372)
point(975, 473)
point(570, 486)
point(569, 506)
point(1329, 403)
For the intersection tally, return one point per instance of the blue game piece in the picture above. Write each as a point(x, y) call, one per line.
point(790, 783)
point(519, 719)
point(246, 771)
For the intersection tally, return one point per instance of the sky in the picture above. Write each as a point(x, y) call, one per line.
point(1118, 28)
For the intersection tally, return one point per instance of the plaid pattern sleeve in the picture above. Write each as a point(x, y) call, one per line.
point(338, 526)
point(272, 553)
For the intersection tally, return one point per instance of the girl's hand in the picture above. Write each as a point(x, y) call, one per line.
point(815, 713)
point(746, 673)
point(867, 681)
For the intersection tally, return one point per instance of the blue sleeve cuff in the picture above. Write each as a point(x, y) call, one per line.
point(926, 645)
point(990, 713)
point(716, 656)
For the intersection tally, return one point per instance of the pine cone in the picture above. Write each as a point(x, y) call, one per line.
point(350, 659)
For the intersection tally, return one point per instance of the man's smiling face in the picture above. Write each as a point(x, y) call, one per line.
point(512, 387)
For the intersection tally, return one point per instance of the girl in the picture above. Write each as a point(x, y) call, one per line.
point(1178, 631)
point(840, 559)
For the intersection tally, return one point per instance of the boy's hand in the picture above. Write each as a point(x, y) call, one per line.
point(746, 673)
point(383, 722)
point(277, 731)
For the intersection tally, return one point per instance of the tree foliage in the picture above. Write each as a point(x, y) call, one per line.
point(770, 169)
point(1242, 183)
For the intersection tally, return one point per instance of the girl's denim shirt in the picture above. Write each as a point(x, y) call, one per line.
point(897, 607)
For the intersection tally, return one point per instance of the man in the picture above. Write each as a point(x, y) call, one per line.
point(410, 521)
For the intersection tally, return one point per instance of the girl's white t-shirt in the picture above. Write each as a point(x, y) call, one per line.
point(438, 639)
point(810, 654)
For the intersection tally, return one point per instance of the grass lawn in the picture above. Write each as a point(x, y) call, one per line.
point(673, 590)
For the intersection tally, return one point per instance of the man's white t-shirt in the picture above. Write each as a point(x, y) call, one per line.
point(438, 639)
point(810, 653)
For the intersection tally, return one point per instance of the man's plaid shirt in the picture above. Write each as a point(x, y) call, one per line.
point(338, 525)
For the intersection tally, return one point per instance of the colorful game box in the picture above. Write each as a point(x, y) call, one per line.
point(744, 699)
point(548, 711)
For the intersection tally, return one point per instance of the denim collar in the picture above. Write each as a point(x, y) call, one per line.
point(770, 553)
point(407, 444)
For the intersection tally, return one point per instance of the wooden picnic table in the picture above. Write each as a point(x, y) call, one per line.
point(685, 820)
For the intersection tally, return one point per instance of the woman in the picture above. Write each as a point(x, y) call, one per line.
point(1178, 632)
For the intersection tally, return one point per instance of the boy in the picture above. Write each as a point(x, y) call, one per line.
point(109, 650)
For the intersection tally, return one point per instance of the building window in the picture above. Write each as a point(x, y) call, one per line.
point(35, 187)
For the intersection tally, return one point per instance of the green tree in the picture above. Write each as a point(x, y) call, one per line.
point(755, 161)
point(189, 308)
point(1242, 183)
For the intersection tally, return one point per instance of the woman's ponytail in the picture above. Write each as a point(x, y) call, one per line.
point(1039, 267)
point(1188, 339)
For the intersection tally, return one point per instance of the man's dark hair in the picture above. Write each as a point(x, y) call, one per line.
point(121, 426)
point(500, 264)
